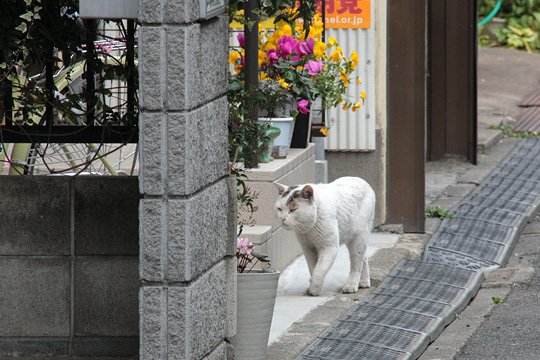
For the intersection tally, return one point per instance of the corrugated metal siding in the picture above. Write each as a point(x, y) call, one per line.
point(355, 131)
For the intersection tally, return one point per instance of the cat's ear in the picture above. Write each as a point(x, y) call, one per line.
point(307, 192)
point(281, 188)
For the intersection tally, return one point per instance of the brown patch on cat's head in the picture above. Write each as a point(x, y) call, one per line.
point(306, 193)
point(289, 190)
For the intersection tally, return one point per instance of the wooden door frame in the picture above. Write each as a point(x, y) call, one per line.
point(406, 113)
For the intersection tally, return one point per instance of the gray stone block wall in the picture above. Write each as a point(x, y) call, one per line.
point(72, 293)
point(187, 207)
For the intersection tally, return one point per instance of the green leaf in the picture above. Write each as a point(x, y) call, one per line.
point(26, 16)
point(290, 75)
point(22, 28)
point(235, 85)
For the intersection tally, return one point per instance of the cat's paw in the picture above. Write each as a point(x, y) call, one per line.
point(350, 289)
point(364, 284)
point(313, 291)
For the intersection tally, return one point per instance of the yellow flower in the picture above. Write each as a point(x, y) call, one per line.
point(346, 106)
point(287, 30)
point(339, 101)
point(363, 95)
point(358, 80)
point(324, 131)
point(332, 41)
point(263, 76)
point(336, 55)
point(344, 78)
point(262, 57)
point(283, 83)
point(235, 55)
point(354, 58)
point(319, 49)
point(356, 106)
point(238, 68)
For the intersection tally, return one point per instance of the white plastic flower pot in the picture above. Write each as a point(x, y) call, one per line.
point(282, 143)
point(255, 307)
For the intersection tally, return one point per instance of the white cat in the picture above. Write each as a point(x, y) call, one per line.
point(323, 216)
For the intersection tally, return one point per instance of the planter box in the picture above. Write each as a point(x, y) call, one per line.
point(297, 168)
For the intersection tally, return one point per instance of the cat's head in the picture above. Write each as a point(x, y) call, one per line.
point(295, 208)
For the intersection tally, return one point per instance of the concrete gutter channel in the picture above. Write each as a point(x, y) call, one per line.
point(411, 300)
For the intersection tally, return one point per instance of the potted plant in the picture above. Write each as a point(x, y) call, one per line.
point(256, 297)
point(294, 60)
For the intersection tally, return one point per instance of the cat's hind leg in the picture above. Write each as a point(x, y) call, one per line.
point(365, 280)
point(359, 268)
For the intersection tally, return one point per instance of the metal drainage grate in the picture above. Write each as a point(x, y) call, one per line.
point(412, 321)
point(441, 274)
point(523, 170)
point(491, 215)
point(404, 314)
point(411, 304)
point(386, 337)
point(479, 248)
point(437, 255)
point(475, 228)
point(524, 208)
point(327, 349)
point(488, 221)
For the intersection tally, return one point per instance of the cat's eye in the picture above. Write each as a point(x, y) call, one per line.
point(292, 210)
point(279, 209)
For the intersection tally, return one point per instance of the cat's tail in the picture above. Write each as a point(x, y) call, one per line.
point(372, 214)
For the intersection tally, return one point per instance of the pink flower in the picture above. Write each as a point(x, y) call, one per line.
point(305, 47)
point(272, 56)
point(314, 67)
point(303, 106)
point(241, 39)
point(286, 46)
point(244, 246)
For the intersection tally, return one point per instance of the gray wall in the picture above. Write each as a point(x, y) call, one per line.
point(367, 165)
point(68, 266)
point(187, 214)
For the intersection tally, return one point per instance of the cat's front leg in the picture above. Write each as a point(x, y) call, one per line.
point(326, 257)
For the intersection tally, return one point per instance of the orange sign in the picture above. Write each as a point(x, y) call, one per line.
point(347, 14)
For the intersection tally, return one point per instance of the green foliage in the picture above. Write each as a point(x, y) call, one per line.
point(39, 33)
point(509, 132)
point(267, 9)
point(521, 25)
point(497, 300)
point(439, 212)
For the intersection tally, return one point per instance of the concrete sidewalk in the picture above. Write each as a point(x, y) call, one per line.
point(447, 182)
point(292, 304)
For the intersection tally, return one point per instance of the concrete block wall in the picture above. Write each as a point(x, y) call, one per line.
point(187, 298)
point(68, 267)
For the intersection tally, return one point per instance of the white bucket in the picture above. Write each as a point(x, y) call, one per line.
point(283, 141)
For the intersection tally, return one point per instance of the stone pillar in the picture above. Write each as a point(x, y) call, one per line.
point(187, 215)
